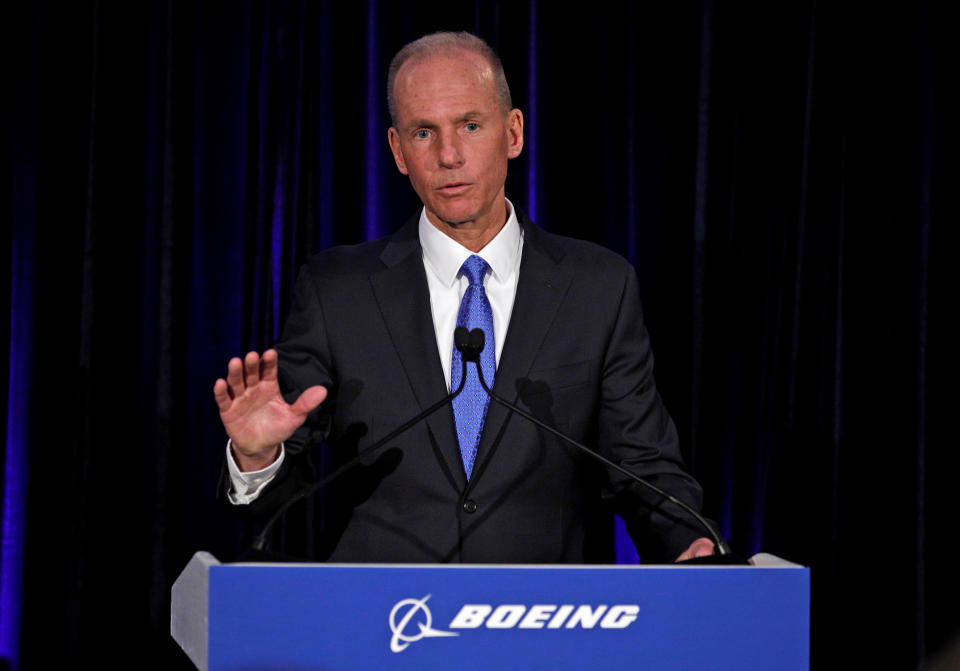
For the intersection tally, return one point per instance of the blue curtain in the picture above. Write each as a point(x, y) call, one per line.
point(774, 172)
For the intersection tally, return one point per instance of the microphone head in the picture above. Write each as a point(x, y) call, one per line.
point(477, 340)
point(468, 343)
point(461, 339)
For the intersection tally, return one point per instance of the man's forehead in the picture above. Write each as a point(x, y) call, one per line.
point(453, 64)
point(458, 82)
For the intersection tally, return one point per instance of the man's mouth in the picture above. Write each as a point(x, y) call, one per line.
point(453, 188)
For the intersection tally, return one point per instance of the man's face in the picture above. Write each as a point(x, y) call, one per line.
point(453, 139)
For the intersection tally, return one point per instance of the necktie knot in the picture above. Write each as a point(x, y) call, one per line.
point(474, 269)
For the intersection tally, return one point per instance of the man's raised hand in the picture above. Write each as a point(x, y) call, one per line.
point(253, 412)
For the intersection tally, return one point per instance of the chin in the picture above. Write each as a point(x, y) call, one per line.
point(455, 218)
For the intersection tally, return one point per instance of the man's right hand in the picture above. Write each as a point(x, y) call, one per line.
point(253, 412)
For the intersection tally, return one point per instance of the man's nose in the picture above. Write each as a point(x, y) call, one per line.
point(451, 155)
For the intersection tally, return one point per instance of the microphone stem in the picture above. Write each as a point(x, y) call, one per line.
point(721, 545)
point(261, 538)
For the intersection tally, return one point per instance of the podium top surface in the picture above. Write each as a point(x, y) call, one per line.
point(760, 560)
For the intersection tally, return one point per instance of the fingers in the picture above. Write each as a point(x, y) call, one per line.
point(702, 547)
point(235, 376)
point(220, 395)
point(268, 368)
point(251, 369)
point(246, 373)
point(309, 399)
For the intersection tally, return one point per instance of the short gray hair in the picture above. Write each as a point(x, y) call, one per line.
point(445, 43)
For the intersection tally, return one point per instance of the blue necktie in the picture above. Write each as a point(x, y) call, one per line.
point(470, 407)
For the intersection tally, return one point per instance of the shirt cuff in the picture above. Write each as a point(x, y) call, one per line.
point(246, 487)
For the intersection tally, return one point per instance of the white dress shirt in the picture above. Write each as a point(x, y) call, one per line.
point(442, 258)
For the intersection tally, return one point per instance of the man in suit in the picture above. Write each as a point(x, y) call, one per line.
point(370, 337)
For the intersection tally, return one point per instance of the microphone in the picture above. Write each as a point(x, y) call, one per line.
point(464, 341)
point(469, 343)
point(474, 344)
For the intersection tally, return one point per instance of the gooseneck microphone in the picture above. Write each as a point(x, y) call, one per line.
point(463, 342)
point(472, 343)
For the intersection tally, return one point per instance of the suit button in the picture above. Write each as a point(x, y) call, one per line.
point(469, 506)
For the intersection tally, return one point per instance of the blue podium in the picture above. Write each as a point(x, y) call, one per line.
point(247, 617)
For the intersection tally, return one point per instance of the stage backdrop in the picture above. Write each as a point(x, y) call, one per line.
point(774, 171)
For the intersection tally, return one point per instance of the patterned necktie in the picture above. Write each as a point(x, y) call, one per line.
point(470, 407)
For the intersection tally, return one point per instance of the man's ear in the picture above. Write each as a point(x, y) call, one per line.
point(394, 139)
point(514, 133)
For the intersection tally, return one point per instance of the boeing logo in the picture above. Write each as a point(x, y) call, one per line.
point(404, 618)
point(401, 639)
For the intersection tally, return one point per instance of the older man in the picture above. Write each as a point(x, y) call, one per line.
point(370, 337)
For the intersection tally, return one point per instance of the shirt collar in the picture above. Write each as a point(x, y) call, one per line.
point(444, 255)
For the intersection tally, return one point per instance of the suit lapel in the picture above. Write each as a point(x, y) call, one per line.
point(541, 287)
point(404, 299)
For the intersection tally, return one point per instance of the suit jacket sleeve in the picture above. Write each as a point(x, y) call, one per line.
point(635, 430)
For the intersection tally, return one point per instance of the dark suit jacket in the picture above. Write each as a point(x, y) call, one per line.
point(576, 355)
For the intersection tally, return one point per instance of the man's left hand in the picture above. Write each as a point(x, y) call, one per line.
point(702, 547)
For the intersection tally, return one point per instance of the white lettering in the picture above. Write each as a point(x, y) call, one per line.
point(506, 617)
point(470, 616)
point(537, 616)
point(619, 617)
point(586, 617)
point(561, 615)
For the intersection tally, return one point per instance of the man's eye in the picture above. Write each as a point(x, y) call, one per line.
point(472, 127)
point(422, 134)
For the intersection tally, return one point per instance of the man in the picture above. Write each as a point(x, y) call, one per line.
point(372, 327)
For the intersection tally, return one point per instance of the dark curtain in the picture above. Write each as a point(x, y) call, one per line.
point(775, 172)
